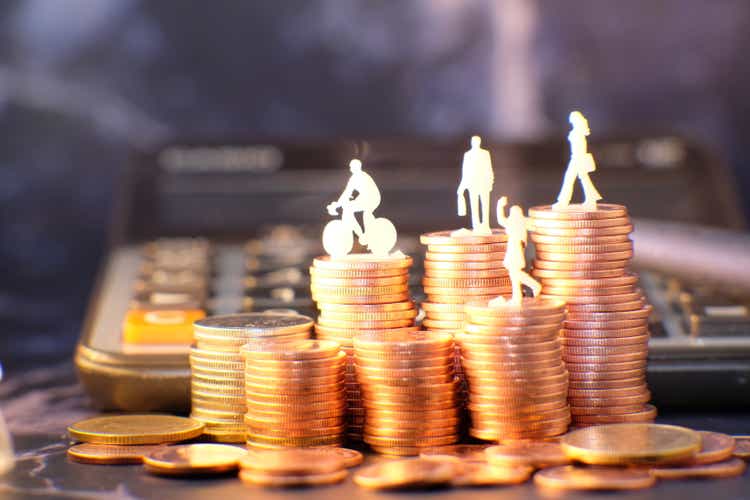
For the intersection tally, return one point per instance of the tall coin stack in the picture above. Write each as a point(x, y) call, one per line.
point(295, 394)
point(518, 384)
point(409, 390)
point(460, 267)
point(218, 368)
point(582, 257)
point(355, 294)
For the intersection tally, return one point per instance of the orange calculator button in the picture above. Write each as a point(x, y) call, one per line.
point(171, 326)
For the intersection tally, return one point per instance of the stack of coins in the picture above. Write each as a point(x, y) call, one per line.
point(294, 393)
point(582, 257)
point(518, 384)
point(361, 293)
point(218, 369)
point(409, 390)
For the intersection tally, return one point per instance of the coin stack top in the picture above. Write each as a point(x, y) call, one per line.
point(218, 368)
point(518, 383)
point(409, 390)
point(360, 293)
point(582, 257)
point(294, 393)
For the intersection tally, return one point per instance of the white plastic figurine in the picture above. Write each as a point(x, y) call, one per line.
point(378, 234)
point(477, 178)
point(580, 166)
point(6, 444)
point(516, 227)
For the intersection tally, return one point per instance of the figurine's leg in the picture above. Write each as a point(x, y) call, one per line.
point(566, 191)
point(351, 221)
point(530, 282)
point(367, 218)
point(474, 196)
point(485, 200)
point(516, 279)
point(590, 193)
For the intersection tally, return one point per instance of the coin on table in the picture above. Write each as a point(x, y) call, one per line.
point(89, 453)
point(569, 477)
point(728, 468)
point(484, 474)
point(462, 452)
point(403, 474)
point(527, 453)
point(135, 429)
point(631, 443)
point(259, 478)
point(742, 447)
point(294, 461)
point(194, 459)
point(715, 447)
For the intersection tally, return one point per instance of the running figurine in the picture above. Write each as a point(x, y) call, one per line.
point(476, 178)
point(580, 166)
point(516, 227)
point(378, 234)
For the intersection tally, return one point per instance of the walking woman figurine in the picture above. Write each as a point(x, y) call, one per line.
point(580, 166)
point(516, 227)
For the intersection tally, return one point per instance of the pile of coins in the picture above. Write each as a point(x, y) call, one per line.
point(409, 390)
point(582, 257)
point(298, 467)
point(218, 369)
point(361, 293)
point(294, 393)
point(518, 384)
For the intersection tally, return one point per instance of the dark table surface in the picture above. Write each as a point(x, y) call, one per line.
point(39, 403)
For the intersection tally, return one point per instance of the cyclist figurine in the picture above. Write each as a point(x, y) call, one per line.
point(516, 227)
point(367, 200)
point(580, 166)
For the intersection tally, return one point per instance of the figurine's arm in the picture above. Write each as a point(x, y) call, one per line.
point(347, 193)
point(501, 204)
point(464, 175)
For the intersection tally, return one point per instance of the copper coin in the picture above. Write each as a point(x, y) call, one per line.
point(584, 231)
point(413, 391)
point(358, 273)
point(599, 299)
point(468, 238)
point(412, 416)
point(293, 461)
point(541, 274)
point(536, 454)
point(457, 265)
point(476, 474)
point(436, 324)
point(488, 419)
point(462, 452)
point(90, 453)
point(550, 320)
point(442, 308)
point(715, 447)
point(512, 365)
point(728, 468)
point(591, 248)
point(604, 358)
point(366, 308)
point(612, 350)
point(606, 384)
point(457, 299)
point(361, 299)
point(362, 261)
point(540, 223)
point(260, 441)
point(604, 342)
point(283, 421)
point(495, 330)
point(494, 282)
point(636, 390)
point(646, 413)
point(632, 314)
point(253, 477)
point(466, 274)
point(603, 333)
point(320, 282)
point(520, 427)
point(603, 368)
point(586, 292)
point(460, 249)
point(742, 447)
point(404, 474)
point(469, 292)
point(464, 257)
point(522, 374)
point(570, 477)
point(631, 305)
point(297, 432)
point(368, 315)
point(194, 459)
point(579, 240)
point(477, 341)
point(444, 316)
point(364, 323)
point(358, 291)
point(495, 434)
point(592, 402)
point(528, 306)
point(350, 332)
point(378, 431)
point(593, 265)
point(583, 410)
point(423, 442)
point(402, 341)
point(576, 212)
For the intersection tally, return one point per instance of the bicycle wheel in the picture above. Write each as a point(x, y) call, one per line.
point(381, 236)
point(338, 240)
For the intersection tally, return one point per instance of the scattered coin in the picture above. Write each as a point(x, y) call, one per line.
point(90, 453)
point(258, 478)
point(742, 447)
point(625, 444)
point(406, 474)
point(194, 459)
point(460, 452)
point(476, 474)
point(715, 447)
point(135, 429)
point(570, 477)
point(294, 461)
point(728, 468)
point(538, 454)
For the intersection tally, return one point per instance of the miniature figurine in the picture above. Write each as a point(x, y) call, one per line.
point(477, 178)
point(516, 227)
point(378, 234)
point(580, 166)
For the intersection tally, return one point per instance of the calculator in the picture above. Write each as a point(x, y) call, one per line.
point(205, 228)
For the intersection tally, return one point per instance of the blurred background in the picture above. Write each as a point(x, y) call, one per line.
point(82, 82)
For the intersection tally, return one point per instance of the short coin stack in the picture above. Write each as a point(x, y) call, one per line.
point(360, 293)
point(518, 384)
point(218, 369)
point(582, 257)
point(295, 394)
point(409, 390)
point(294, 467)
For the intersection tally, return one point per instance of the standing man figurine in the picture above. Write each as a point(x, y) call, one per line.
point(580, 166)
point(516, 227)
point(476, 177)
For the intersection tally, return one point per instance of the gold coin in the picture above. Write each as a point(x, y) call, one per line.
point(727, 468)
point(224, 436)
point(742, 447)
point(286, 481)
point(135, 429)
point(194, 459)
point(616, 444)
point(573, 212)
point(452, 238)
point(362, 261)
point(570, 477)
point(537, 454)
point(483, 474)
point(89, 453)
point(403, 474)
